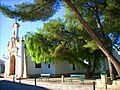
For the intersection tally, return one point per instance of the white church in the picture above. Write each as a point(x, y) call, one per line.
point(20, 65)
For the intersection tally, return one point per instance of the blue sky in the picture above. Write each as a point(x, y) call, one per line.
point(6, 25)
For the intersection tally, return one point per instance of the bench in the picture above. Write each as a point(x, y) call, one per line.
point(77, 76)
point(44, 76)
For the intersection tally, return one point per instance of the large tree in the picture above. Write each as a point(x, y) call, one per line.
point(41, 10)
point(58, 41)
point(93, 18)
point(99, 42)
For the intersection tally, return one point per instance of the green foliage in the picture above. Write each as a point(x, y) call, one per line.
point(91, 45)
point(55, 42)
point(67, 40)
point(37, 45)
point(103, 73)
point(39, 10)
point(92, 11)
point(111, 16)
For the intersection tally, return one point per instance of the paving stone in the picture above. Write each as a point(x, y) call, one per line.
point(54, 84)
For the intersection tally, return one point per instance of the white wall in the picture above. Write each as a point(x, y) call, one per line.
point(50, 70)
point(19, 57)
point(65, 67)
point(31, 67)
point(7, 67)
point(44, 67)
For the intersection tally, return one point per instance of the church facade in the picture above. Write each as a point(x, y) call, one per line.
point(15, 63)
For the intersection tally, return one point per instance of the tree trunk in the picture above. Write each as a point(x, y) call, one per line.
point(89, 73)
point(112, 77)
point(94, 37)
point(89, 70)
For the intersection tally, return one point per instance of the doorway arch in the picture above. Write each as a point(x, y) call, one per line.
point(12, 65)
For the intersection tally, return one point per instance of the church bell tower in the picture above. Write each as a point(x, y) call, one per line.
point(15, 65)
point(12, 51)
point(15, 33)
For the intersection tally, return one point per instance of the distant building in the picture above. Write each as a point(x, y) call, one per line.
point(2, 66)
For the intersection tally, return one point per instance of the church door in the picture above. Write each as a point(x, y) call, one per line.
point(12, 65)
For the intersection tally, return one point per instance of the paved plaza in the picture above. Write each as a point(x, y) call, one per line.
point(52, 84)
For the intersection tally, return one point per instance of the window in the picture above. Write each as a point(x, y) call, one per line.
point(48, 65)
point(37, 65)
point(73, 67)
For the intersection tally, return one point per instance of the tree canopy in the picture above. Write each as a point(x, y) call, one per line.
point(39, 10)
point(55, 42)
point(97, 13)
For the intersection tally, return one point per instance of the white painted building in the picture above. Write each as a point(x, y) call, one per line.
point(52, 68)
point(15, 54)
point(20, 65)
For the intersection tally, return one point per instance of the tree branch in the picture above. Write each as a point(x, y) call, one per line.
point(94, 37)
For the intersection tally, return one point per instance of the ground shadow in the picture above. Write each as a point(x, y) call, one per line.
point(9, 85)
